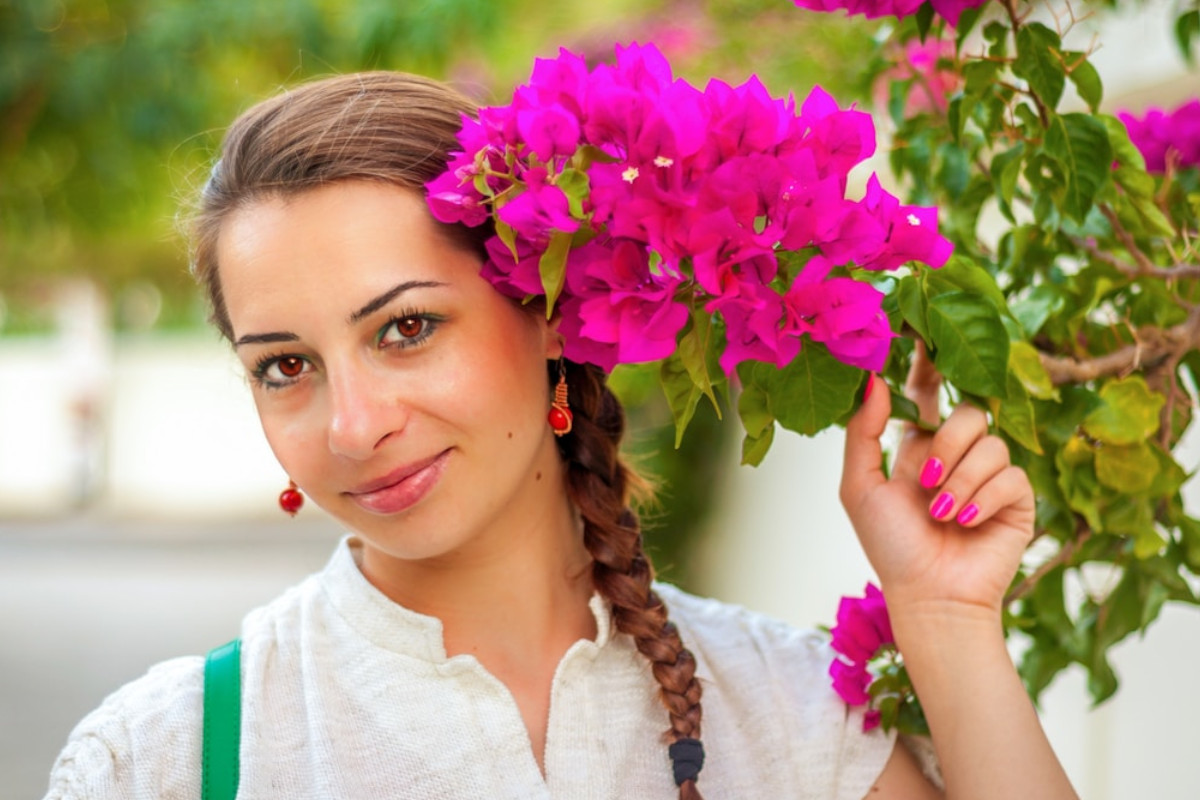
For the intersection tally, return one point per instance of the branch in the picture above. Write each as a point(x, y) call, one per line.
point(1137, 270)
point(1153, 347)
point(1082, 534)
point(1143, 260)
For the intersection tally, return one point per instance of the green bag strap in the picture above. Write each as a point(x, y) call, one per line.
point(222, 721)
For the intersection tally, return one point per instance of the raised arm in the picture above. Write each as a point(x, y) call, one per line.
point(945, 534)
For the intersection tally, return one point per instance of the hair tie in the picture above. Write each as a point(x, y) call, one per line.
point(687, 759)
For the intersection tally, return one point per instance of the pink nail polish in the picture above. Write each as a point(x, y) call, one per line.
point(942, 505)
point(967, 514)
point(931, 472)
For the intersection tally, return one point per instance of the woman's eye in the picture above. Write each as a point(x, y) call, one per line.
point(406, 331)
point(281, 370)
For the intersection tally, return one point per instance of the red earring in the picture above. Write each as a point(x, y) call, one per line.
point(560, 416)
point(290, 499)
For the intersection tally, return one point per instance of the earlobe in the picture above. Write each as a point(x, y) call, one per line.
point(554, 339)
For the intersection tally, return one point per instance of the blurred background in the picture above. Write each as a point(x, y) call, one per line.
point(137, 494)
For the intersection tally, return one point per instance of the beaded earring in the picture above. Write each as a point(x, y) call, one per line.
point(290, 499)
point(560, 416)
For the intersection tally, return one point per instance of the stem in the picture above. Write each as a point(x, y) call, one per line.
point(1153, 347)
point(1082, 534)
point(1010, 6)
point(1137, 270)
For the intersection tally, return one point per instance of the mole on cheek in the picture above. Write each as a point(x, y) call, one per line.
point(510, 434)
point(538, 477)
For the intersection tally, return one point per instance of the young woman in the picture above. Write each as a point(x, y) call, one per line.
point(490, 627)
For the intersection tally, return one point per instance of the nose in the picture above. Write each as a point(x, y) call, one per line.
point(362, 413)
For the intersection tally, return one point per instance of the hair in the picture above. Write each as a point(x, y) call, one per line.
point(399, 129)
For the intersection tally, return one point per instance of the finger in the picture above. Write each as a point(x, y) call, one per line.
point(862, 462)
point(986, 458)
point(1009, 488)
point(922, 385)
point(966, 425)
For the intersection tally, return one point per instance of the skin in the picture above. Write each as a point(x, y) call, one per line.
point(376, 350)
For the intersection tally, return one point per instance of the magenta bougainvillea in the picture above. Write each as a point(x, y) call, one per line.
point(862, 631)
point(1159, 132)
point(633, 200)
point(949, 10)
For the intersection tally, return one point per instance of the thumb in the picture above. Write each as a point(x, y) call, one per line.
point(862, 463)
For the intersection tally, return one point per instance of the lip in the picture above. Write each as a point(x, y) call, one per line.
point(401, 488)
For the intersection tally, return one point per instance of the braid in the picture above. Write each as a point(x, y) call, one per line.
point(600, 484)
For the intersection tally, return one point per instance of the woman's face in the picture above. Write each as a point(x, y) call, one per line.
point(401, 392)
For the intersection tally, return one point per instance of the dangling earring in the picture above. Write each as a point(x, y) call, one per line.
point(560, 416)
point(290, 499)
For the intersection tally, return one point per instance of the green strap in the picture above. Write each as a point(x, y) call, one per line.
point(222, 721)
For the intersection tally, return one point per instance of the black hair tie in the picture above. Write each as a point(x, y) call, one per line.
point(687, 759)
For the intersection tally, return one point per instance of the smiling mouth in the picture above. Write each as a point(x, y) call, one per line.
point(400, 489)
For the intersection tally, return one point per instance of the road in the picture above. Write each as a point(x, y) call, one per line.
point(87, 605)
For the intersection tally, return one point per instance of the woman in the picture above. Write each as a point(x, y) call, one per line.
point(490, 627)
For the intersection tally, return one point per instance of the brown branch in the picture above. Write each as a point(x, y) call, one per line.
point(1064, 554)
point(1143, 261)
point(1152, 347)
point(1137, 270)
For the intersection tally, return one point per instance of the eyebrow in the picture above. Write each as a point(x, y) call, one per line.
point(391, 294)
point(371, 307)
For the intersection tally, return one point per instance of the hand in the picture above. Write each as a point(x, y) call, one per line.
point(963, 560)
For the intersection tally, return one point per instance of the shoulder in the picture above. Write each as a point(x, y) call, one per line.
point(143, 740)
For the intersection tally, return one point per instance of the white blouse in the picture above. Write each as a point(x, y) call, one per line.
point(348, 695)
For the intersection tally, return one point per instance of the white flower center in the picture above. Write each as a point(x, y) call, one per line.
point(630, 174)
point(663, 161)
point(912, 220)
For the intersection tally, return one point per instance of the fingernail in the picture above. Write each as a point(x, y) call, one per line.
point(942, 505)
point(931, 472)
point(870, 385)
point(967, 514)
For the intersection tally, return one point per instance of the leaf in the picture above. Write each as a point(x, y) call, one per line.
point(1128, 468)
point(924, 19)
point(552, 266)
point(813, 391)
point(754, 448)
point(1038, 62)
point(1016, 416)
point(962, 273)
point(682, 393)
point(575, 185)
point(1086, 80)
point(1006, 168)
point(1080, 143)
point(1077, 479)
point(1033, 309)
point(910, 299)
point(1025, 363)
point(1128, 414)
point(1187, 28)
point(753, 402)
point(970, 342)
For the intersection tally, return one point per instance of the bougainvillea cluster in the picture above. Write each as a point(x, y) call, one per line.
point(863, 629)
point(1158, 132)
point(949, 10)
point(633, 200)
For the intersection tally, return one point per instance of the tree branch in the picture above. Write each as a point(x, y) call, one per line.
point(1152, 347)
point(1068, 549)
point(1137, 270)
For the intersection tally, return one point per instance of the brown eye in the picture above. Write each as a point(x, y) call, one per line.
point(410, 327)
point(290, 366)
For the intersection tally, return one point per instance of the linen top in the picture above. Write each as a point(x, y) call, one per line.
point(346, 694)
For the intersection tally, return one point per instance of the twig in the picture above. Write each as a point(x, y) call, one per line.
point(1137, 270)
point(1152, 347)
point(1143, 261)
point(1082, 534)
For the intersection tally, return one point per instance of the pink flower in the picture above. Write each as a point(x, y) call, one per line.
point(850, 681)
point(950, 10)
point(928, 65)
point(617, 310)
point(845, 315)
point(871, 719)
point(1159, 132)
point(540, 210)
point(516, 277)
point(862, 629)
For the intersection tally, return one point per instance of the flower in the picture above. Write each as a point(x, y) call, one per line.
point(949, 10)
point(928, 66)
point(1160, 132)
point(676, 201)
point(862, 631)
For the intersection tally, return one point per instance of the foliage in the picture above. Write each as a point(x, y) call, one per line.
point(1069, 312)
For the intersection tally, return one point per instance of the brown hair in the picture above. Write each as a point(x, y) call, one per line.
point(398, 128)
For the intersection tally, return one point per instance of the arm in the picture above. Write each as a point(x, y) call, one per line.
point(944, 579)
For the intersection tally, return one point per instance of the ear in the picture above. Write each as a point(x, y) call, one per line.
point(554, 339)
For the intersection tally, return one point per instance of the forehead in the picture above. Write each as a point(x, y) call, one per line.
point(331, 246)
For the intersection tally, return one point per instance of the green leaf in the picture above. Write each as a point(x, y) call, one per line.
point(966, 23)
point(754, 403)
point(1129, 468)
point(1016, 416)
point(962, 273)
point(1128, 414)
point(996, 34)
point(1077, 480)
point(575, 185)
point(754, 448)
point(1169, 477)
point(681, 391)
point(1025, 363)
point(1038, 62)
point(980, 77)
point(970, 342)
point(1006, 168)
point(910, 299)
point(508, 236)
point(552, 266)
point(1034, 308)
point(924, 19)
point(1080, 143)
point(697, 350)
point(813, 391)
point(1086, 79)
point(1187, 28)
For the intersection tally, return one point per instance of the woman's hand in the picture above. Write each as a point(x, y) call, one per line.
point(946, 532)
